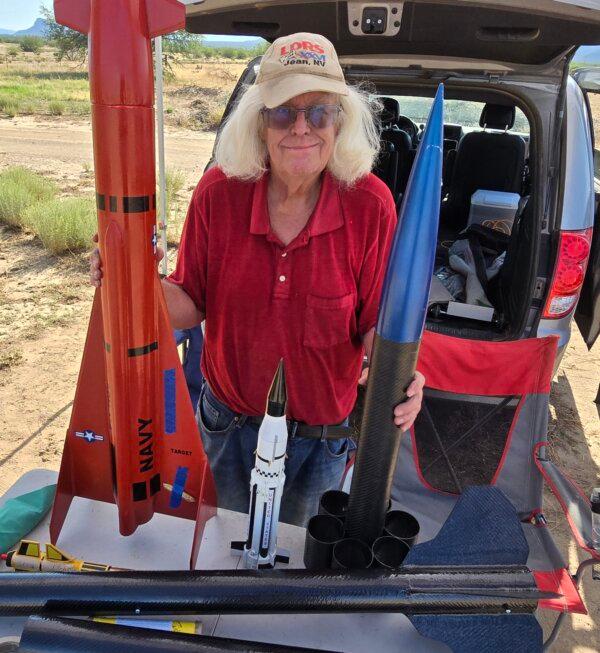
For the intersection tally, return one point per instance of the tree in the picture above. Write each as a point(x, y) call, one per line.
point(182, 42)
point(31, 44)
point(70, 45)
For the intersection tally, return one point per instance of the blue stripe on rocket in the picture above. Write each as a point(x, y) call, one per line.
point(178, 487)
point(170, 401)
point(410, 265)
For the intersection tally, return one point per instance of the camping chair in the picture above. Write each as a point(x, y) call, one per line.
point(484, 422)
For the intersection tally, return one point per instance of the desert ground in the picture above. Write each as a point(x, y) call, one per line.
point(45, 304)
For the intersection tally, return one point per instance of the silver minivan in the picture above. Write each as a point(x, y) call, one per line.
point(518, 126)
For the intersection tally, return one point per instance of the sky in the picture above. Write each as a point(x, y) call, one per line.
point(21, 14)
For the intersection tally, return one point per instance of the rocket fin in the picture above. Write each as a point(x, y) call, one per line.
point(187, 485)
point(164, 16)
point(86, 468)
point(74, 14)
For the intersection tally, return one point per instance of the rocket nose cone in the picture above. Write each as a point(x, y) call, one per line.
point(277, 399)
point(435, 123)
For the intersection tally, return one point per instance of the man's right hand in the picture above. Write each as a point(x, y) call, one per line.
point(96, 263)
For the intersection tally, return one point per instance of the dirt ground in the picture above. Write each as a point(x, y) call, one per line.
point(62, 149)
point(45, 304)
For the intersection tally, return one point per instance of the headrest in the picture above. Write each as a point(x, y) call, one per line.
point(497, 116)
point(391, 110)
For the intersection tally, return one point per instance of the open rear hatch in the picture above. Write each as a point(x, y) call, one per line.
point(519, 36)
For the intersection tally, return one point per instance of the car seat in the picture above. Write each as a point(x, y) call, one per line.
point(399, 140)
point(490, 160)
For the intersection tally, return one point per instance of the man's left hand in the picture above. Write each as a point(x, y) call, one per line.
point(406, 412)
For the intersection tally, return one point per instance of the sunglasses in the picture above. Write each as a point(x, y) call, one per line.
point(318, 117)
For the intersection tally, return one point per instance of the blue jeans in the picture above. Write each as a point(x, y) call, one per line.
point(312, 466)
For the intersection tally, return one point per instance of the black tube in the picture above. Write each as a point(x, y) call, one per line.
point(402, 525)
point(48, 635)
point(417, 590)
point(392, 370)
point(351, 554)
point(334, 502)
point(389, 552)
point(322, 532)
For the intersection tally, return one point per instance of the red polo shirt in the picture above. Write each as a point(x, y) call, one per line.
point(309, 302)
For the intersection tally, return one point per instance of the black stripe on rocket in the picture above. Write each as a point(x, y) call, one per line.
point(129, 203)
point(141, 351)
point(140, 490)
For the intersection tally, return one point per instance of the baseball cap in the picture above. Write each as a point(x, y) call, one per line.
point(296, 64)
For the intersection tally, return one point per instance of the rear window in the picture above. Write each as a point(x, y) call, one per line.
point(595, 107)
point(458, 112)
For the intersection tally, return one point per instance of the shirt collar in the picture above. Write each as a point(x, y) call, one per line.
point(327, 215)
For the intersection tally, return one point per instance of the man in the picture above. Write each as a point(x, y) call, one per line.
point(283, 255)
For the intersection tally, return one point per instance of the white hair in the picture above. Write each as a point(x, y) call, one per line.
point(241, 152)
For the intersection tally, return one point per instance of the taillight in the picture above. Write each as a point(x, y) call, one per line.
point(573, 254)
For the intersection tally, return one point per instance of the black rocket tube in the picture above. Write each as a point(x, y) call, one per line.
point(417, 590)
point(48, 635)
point(398, 333)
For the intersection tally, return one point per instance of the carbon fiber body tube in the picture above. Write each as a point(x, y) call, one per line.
point(379, 438)
point(400, 322)
point(464, 590)
point(49, 635)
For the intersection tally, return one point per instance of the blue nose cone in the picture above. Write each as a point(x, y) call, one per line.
point(408, 277)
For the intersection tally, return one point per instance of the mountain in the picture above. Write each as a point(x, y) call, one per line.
point(6, 32)
point(246, 45)
point(37, 29)
point(588, 54)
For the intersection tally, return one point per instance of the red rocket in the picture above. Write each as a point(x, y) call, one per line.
point(132, 439)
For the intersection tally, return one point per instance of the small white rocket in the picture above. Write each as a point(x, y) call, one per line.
point(259, 551)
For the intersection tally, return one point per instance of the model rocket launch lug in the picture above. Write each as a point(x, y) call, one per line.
point(74, 14)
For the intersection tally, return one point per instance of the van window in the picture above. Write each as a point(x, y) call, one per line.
point(594, 99)
point(459, 112)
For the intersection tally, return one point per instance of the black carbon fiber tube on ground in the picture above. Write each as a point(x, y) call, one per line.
point(391, 371)
point(419, 590)
point(49, 635)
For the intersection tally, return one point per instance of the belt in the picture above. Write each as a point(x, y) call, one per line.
point(295, 428)
point(303, 430)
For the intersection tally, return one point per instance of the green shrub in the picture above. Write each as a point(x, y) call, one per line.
point(10, 106)
point(19, 189)
point(13, 51)
point(63, 225)
point(175, 179)
point(213, 119)
point(56, 108)
point(31, 44)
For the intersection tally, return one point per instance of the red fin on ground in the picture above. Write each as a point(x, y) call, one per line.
point(188, 488)
point(86, 468)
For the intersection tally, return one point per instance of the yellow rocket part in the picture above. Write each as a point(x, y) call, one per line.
point(28, 556)
point(188, 627)
point(184, 495)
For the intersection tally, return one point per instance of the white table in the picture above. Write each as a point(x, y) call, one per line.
point(91, 532)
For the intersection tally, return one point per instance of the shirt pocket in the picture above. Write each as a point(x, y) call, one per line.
point(329, 320)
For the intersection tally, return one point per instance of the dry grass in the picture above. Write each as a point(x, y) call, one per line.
point(10, 357)
point(65, 226)
point(19, 189)
point(37, 84)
